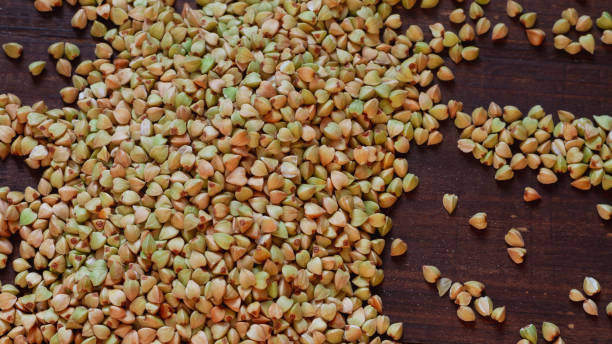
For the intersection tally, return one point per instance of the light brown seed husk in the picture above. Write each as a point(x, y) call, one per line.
point(475, 288)
point(591, 286)
point(530, 194)
point(514, 238)
point(445, 74)
point(470, 53)
point(561, 42)
point(590, 307)
point(499, 314)
point(482, 26)
point(443, 285)
point(546, 176)
point(587, 42)
point(500, 31)
point(12, 50)
point(63, 67)
point(56, 50)
point(550, 331)
point(517, 254)
point(573, 48)
point(576, 295)
point(513, 8)
point(571, 15)
point(561, 26)
point(584, 23)
point(483, 306)
point(535, 36)
point(606, 37)
point(465, 313)
point(79, 19)
point(36, 67)
point(463, 299)
point(528, 19)
point(604, 211)
point(398, 247)
point(431, 273)
point(449, 201)
point(457, 16)
point(454, 290)
point(479, 221)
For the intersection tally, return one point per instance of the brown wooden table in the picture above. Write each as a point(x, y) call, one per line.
point(566, 240)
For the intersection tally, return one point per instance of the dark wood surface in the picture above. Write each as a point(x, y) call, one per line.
point(566, 240)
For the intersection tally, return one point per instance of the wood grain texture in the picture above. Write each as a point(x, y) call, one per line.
point(566, 239)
